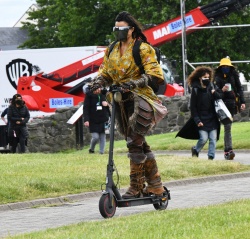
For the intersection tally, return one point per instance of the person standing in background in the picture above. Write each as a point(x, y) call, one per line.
point(228, 81)
point(96, 113)
point(6, 121)
point(202, 109)
point(4, 113)
point(18, 116)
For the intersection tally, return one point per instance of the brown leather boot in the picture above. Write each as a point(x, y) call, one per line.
point(152, 178)
point(137, 180)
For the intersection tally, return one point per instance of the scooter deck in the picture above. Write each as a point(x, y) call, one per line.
point(141, 201)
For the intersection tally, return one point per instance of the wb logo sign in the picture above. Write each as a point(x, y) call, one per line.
point(16, 69)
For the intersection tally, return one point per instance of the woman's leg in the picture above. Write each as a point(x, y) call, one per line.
point(141, 158)
point(227, 137)
point(102, 142)
point(212, 136)
point(202, 140)
point(152, 174)
point(22, 143)
point(137, 160)
point(14, 141)
point(228, 145)
point(94, 141)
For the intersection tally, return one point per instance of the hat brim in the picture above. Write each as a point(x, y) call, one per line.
point(225, 65)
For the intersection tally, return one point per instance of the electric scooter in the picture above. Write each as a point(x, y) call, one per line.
point(111, 197)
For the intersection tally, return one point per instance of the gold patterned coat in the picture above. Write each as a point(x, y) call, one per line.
point(117, 69)
point(120, 69)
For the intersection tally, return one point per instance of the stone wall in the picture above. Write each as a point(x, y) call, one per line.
point(53, 134)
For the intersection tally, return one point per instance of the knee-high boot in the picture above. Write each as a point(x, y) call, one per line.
point(153, 178)
point(137, 180)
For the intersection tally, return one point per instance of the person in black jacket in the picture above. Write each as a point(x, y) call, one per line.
point(96, 113)
point(18, 116)
point(203, 110)
point(4, 113)
point(233, 98)
point(6, 121)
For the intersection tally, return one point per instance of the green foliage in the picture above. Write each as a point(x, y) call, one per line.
point(210, 45)
point(68, 23)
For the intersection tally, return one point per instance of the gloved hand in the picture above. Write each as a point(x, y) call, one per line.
point(102, 81)
point(132, 84)
point(128, 85)
point(94, 86)
point(97, 83)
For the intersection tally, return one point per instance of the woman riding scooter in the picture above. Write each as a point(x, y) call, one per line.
point(140, 109)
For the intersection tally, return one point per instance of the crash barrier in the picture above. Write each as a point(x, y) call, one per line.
point(53, 134)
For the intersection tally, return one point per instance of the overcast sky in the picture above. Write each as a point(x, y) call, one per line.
point(12, 10)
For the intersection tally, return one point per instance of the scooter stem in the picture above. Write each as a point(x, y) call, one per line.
point(110, 185)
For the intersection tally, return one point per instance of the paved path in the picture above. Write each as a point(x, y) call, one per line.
point(184, 194)
point(21, 217)
point(241, 156)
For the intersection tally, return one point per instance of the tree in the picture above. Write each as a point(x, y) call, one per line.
point(44, 33)
point(213, 44)
point(67, 23)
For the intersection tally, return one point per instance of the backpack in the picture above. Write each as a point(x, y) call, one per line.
point(136, 54)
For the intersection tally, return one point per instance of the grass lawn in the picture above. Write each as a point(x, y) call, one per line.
point(37, 175)
point(240, 137)
point(33, 176)
point(225, 221)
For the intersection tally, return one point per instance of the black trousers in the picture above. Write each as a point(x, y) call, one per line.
point(21, 140)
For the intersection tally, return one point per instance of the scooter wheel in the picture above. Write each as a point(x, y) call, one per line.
point(162, 205)
point(105, 209)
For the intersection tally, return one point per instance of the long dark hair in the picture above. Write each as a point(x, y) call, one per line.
point(128, 18)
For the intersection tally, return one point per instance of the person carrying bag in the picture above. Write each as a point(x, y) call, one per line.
point(228, 81)
point(223, 114)
point(204, 123)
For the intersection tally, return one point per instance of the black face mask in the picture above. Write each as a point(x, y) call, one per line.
point(121, 35)
point(19, 102)
point(205, 81)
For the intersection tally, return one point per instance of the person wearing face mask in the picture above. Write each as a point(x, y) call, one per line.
point(6, 121)
point(202, 109)
point(18, 115)
point(139, 102)
point(95, 113)
point(228, 81)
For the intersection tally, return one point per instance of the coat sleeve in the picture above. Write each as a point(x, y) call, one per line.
point(27, 116)
point(149, 62)
point(86, 108)
point(218, 94)
point(194, 105)
point(239, 88)
point(5, 112)
point(218, 83)
point(10, 115)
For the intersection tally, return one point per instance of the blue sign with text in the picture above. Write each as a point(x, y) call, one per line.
point(176, 26)
point(61, 102)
